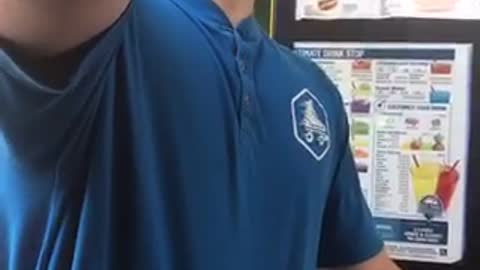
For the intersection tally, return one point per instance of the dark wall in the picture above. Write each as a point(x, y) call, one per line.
point(411, 30)
point(262, 12)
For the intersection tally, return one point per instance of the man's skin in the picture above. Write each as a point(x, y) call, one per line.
point(51, 27)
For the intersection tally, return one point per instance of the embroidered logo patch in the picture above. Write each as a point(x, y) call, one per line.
point(310, 124)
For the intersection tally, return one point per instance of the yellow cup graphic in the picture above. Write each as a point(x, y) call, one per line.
point(425, 179)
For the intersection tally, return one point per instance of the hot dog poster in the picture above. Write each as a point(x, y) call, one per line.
point(408, 111)
point(377, 9)
point(332, 9)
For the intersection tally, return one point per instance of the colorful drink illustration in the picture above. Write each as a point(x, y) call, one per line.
point(439, 144)
point(363, 89)
point(360, 106)
point(447, 184)
point(440, 96)
point(441, 69)
point(412, 122)
point(361, 153)
point(427, 142)
point(431, 179)
point(360, 128)
point(424, 178)
point(362, 65)
point(361, 167)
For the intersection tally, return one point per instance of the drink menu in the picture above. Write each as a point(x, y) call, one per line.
point(408, 110)
point(377, 9)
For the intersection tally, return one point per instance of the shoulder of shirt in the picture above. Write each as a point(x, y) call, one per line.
point(307, 68)
point(322, 86)
point(159, 9)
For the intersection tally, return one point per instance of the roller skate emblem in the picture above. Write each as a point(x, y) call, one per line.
point(310, 124)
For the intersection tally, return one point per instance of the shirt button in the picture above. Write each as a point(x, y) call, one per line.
point(242, 66)
point(246, 100)
point(247, 104)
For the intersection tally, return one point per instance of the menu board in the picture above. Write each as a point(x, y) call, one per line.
point(408, 111)
point(377, 9)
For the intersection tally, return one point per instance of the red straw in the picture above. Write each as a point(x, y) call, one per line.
point(455, 165)
point(415, 160)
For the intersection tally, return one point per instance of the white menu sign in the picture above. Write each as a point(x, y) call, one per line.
point(408, 108)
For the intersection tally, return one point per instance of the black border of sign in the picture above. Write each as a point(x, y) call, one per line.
point(287, 31)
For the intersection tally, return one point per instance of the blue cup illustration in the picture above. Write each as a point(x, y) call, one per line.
point(440, 96)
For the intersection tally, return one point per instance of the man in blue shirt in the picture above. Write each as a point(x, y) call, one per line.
point(170, 135)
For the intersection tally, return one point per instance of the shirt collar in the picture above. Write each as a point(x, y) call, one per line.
point(208, 11)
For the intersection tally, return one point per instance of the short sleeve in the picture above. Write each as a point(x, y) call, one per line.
point(348, 235)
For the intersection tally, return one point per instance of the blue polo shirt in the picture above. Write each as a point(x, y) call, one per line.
point(180, 143)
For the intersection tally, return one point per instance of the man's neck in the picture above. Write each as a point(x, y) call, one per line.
point(236, 10)
point(53, 26)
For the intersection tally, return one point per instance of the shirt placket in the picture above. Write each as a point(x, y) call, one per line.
point(244, 60)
